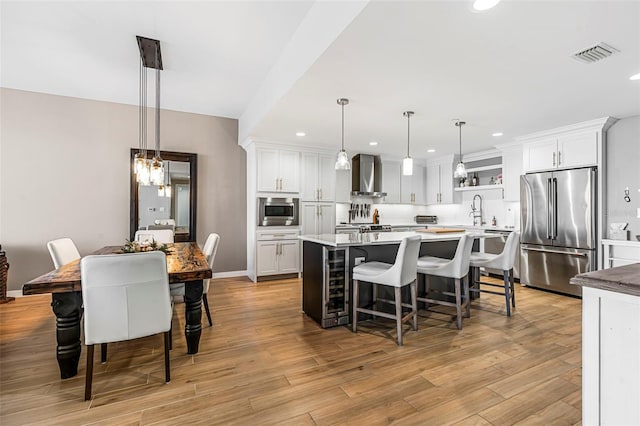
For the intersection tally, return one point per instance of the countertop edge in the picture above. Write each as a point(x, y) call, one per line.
point(617, 280)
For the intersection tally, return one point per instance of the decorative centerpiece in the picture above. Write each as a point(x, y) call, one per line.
point(139, 247)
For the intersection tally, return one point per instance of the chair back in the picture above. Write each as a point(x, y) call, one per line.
point(163, 236)
point(405, 268)
point(125, 296)
point(62, 251)
point(508, 255)
point(210, 249)
point(462, 257)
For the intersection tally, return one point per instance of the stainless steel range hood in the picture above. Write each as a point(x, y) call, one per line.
point(366, 175)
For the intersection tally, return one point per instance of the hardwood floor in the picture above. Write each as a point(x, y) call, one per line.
point(264, 362)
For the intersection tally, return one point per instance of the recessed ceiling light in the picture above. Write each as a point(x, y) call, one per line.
point(373, 143)
point(635, 77)
point(431, 150)
point(301, 134)
point(484, 4)
point(497, 134)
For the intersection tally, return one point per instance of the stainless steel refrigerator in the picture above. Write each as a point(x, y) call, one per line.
point(558, 228)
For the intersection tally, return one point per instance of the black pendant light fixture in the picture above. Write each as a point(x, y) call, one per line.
point(150, 57)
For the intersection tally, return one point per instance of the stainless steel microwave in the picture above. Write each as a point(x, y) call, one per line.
point(278, 211)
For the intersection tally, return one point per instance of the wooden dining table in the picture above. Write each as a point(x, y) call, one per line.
point(186, 263)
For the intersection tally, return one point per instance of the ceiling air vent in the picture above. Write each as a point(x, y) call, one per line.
point(595, 53)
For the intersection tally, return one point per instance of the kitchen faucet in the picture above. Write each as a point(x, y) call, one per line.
point(477, 212)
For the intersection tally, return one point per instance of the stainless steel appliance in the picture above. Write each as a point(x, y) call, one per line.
point(558, 228)
point(495, 246)
point(278, 211)
point(366, 175)
point(325, 295)
point(426, 219)
point(375, 228)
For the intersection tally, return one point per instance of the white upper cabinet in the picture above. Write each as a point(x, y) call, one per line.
point(574, 149)
point(439, 187)
point(412, 187)
point(511, 171)
point(343, 186)
point(318, 177)
point(391, 181)
point(278, 170)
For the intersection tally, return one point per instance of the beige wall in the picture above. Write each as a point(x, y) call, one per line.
point(64, 171)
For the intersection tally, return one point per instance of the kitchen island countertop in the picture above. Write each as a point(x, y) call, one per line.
point(380, 238)
point(622, 279)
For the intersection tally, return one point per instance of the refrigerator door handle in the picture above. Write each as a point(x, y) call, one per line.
point(554, 190)
point(555, 251)
point(549, 209)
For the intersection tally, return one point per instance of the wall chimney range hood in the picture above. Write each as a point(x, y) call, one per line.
point(366, 176)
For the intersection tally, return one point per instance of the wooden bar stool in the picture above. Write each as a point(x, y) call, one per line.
point(398, 275)
point(457, 269)
point(503, 261)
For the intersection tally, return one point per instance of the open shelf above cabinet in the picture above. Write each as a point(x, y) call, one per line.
point(478, 188)
point(485, 168)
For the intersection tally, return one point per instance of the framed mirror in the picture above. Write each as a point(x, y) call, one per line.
point(170, 206)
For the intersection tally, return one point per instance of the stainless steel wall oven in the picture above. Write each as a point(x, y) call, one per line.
point(278, 211)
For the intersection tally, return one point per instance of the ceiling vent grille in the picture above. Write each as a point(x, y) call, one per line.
point(595, 53)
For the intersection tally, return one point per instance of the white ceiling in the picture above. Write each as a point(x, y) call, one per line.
point(508, 69)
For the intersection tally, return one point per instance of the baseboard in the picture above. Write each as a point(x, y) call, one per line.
point(229, 274)
point(14, 293)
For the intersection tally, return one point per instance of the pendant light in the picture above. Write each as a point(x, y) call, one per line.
point(407, 163)
point(461, 172)
point(342, 163)
point(150, 57)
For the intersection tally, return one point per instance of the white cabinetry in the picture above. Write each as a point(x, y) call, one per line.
point(391, 171)
point(439, 175)
point(318, 218)
point(511, 171)
point(572, 149)
point(412, 189)
point(343, 186)
point(610, 358)
point(318, 177)
point(277, 252)
point(278, 170)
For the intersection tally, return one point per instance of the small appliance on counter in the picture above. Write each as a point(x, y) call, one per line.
point(426, 219)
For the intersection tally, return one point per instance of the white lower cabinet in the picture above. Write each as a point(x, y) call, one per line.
point(277, 252)
point(610, 358)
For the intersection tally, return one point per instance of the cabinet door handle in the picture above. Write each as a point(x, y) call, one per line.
point(320, 193)
point(559, 157)
point(554, 159)
point(317, 194)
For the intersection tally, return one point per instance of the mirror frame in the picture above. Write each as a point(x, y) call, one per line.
point(192, 159)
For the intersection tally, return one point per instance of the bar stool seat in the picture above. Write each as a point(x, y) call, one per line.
point(503, 261)
point(457, 269)
point(397, 275)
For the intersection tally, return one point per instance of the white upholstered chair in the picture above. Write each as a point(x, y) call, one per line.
point(62, 251)
point(209, 249)
point(125, 296)
point(503, 261)
point(397, 275)
point(162, 236)
point(456, 269)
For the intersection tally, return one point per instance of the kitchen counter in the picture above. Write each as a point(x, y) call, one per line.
point(623, 279)
point(382, 238)
point(476, 227)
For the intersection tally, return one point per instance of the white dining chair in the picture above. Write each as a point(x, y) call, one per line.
point(62, 251)
point(209, 249)
point(456, 269)
point(397, 275)
point(162, 236)
point(125, 297)
point(503, 261)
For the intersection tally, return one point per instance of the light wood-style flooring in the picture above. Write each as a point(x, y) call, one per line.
point(264, 362)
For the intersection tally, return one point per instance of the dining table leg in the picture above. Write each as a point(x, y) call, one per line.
point(193, 315)
point(67, 308)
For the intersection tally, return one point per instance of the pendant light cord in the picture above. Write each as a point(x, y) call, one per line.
point(342, 104)
point(460, 138)
point(157, 113)
point(408, 132)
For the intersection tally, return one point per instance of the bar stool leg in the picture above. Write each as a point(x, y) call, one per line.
point(513, 288)
point(467, 300)
point(414, 303)
point(354, 319)
point(507, 285)
point(374, 291)
point(458, 305)
point(398, 295)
